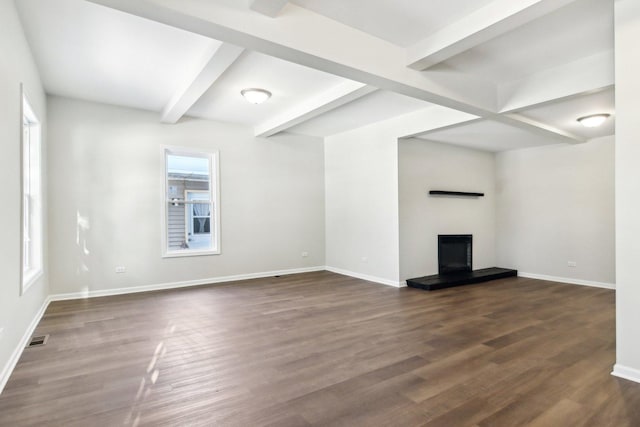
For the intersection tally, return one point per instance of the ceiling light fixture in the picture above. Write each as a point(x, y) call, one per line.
point(255, 95)
point(593, 120)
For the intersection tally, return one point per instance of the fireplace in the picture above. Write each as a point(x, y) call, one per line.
point(454, 253)
point(455, 266)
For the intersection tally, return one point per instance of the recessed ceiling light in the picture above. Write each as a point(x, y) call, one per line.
point(593, 120)
point(255, 95)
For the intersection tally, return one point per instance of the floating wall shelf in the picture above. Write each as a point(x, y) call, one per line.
point(455, 193)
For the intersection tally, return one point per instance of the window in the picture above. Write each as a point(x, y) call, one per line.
point(190, 203)
point(31, 197)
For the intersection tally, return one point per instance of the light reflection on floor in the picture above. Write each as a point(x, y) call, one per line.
point(147, 381)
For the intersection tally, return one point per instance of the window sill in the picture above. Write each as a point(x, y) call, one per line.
point(187, 253)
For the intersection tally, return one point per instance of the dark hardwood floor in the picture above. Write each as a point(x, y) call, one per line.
point(325, 349)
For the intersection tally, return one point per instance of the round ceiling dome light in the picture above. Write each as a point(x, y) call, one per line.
point(594, 120)
point(255, 95)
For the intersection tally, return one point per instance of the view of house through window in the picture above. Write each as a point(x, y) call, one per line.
point(191, 217)
point(31, 197)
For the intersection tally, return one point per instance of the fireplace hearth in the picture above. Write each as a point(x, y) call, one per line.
point(455, 266)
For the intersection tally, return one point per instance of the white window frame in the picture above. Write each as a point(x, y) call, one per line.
point(31, 230)
point(214, 190)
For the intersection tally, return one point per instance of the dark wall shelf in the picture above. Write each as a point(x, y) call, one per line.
point(455, 193)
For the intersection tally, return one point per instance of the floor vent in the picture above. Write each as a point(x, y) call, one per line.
point(38, 341)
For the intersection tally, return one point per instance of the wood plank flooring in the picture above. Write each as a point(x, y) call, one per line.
point(325, 349)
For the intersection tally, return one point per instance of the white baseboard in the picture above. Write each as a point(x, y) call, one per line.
point(627, 373)
point(183, 284)
point(15, 356)
point(375, 279)
point(567, 280)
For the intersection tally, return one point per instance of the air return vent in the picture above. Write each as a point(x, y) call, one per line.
point(38, 341)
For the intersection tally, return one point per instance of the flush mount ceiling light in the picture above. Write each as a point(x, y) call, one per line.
point(255, 95)
point(593, 120)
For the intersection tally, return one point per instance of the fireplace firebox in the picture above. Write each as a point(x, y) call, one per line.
point(455, 253)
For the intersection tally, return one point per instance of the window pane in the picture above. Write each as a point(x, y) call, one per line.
point(31, 197)
point(177, 236)
point(189, 202)
point(192, 170)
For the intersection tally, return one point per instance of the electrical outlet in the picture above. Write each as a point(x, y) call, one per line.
point(572, 264)
point(305, 254)
point(121, 269)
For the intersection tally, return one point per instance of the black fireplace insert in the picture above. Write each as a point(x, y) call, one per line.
point(455, 253)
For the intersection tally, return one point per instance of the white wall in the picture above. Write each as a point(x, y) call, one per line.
point(16, 66)
point(627, 27)
point(106, 174)
point(424, 166)
point(361, 184)
point(555, 205)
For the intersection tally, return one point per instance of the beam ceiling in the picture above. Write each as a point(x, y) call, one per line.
point(484, 24)
point(214, 65)
point(302, 38)
point(329, 100)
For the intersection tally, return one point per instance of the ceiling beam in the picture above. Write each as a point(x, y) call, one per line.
point(444, 126)
point(432, 119)
point(538, 128)
point(315, 106)
point(436, 118)
point(484, 24)
point(301, 38)
point(419, 122)
point(271, 8)
point(415, 123)
point(584, 76)
point(214, 64)
point(427, 120)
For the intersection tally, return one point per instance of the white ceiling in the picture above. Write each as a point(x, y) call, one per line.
point(402, 22)
point(289, 83)
point(95, 53)
point(581, 29)
point(369, 109)
point(487, 136)
point(492, 136)
point(563, 114)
